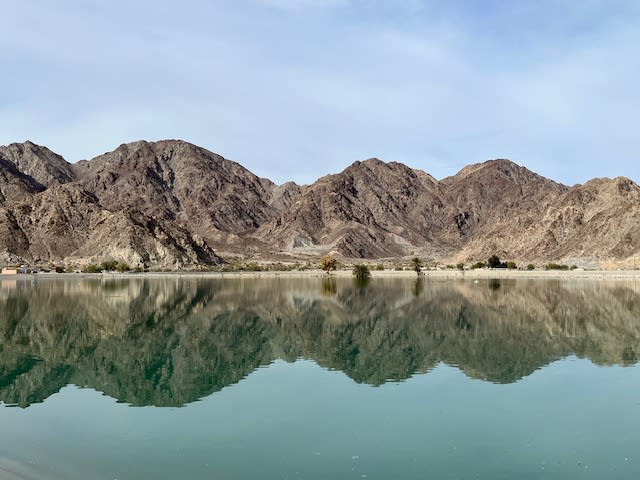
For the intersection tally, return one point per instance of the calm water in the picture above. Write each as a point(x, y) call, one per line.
point(319, 379)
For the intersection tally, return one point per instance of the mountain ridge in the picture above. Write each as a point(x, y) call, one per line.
point(182, 203)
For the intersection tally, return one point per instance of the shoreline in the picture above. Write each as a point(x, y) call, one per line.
point(436, 274)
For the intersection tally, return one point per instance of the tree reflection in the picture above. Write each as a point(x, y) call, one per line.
point(170, 342)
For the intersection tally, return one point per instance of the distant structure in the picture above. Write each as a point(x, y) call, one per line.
point(17, 270)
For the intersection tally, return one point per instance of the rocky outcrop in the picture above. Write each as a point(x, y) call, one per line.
point(66, 223)
point(40, 163)
point(542, 221)
point(171, 203)
point(180, 182)
point(69, 223)
point(15, 185)
point(371, 209)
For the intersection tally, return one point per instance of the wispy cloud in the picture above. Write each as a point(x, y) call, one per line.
point(301, 88)
point(297, 5)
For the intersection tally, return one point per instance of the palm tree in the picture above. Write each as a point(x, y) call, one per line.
point(416, 263)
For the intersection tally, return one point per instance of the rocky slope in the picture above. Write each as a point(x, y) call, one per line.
point(40, 163)
point(180, 182)
point(371, 209)
point(15, 185)
point(172, 204)
point(68, 223)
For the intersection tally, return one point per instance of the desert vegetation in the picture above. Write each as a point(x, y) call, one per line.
point(361, 271)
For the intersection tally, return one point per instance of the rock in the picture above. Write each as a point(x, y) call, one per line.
point(40, 163)
point(171, 203)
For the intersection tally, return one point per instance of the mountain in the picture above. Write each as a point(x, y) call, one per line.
point(496, 205)
point(371, 209)
point(180, 182)
point(173, 204)
point(541, 220)
point(68, 223)
point(40, 163)
point(15, 185)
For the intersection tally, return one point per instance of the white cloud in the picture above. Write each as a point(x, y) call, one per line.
point(297, 96)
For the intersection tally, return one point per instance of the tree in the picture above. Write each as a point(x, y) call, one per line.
point(416, 264)
point(511, 265)
point(329, 287)
point(328, 264)
point(494, 262)
point(109, 265)
point(361, 271)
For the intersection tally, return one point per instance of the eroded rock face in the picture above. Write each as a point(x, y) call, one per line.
point(40, 163)
point(542, 220)
point(67, 222)
point(14, 184)
point(172, 203)
point(371, 209)
point(180, 182)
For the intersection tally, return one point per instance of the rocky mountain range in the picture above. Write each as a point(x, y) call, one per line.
point(173, 204)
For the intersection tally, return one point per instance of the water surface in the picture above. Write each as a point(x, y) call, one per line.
point(318, 378)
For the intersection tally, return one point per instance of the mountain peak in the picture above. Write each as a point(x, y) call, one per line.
point(185, 193)
point(40, 163)
point(499, 168)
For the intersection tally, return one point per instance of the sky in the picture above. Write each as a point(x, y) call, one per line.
point(297, 89)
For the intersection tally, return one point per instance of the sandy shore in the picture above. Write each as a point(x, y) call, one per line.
point(472, 274)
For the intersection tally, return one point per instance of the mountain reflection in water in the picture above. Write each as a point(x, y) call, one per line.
point(169, 342)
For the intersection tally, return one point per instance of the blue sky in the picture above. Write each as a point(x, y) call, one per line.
point(294, 90)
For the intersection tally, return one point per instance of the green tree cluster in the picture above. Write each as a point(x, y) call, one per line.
point(557, 266)
point(108, 266)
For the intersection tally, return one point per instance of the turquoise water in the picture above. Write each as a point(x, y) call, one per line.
point(312, 379)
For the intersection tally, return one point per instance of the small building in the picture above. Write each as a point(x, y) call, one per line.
point(9, 271)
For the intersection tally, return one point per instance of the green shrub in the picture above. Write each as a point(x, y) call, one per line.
point(123, 267)
point(109, 265)
point(361, 271)
point(380, 267)
point(531, 266)
point(511, 265)
point(93, 268)
point(556, 266)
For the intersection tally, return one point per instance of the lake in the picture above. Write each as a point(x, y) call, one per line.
point(317, 378)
